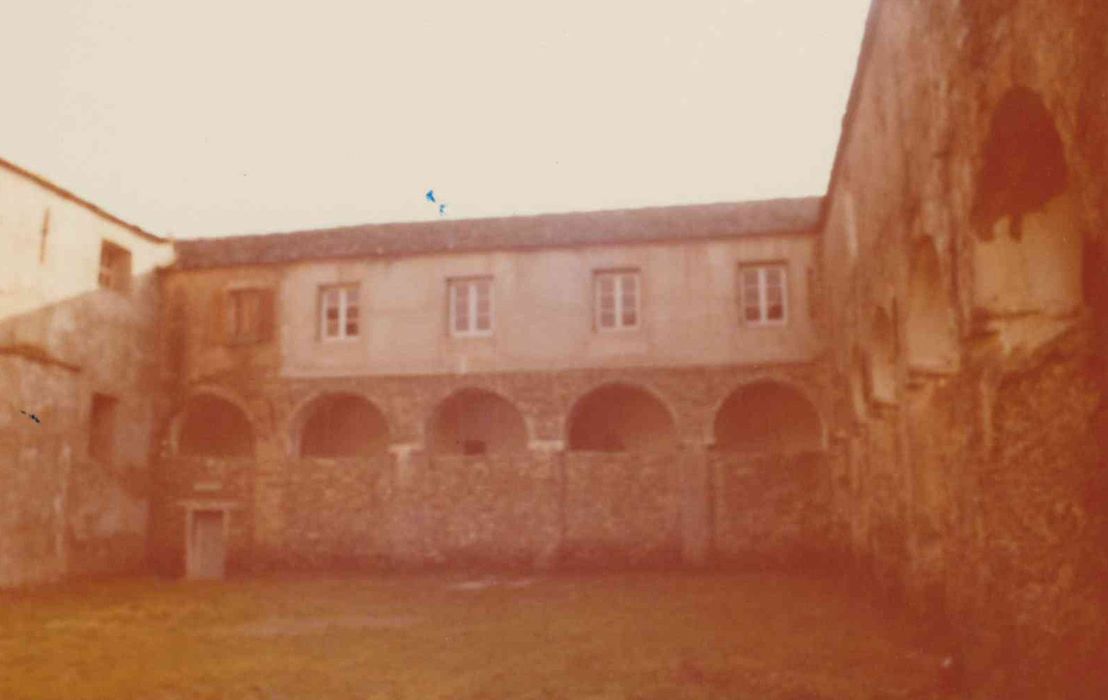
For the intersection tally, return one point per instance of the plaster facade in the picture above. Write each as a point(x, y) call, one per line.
point(64, 341)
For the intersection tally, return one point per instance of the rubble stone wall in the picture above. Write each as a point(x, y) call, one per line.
point(971, 481)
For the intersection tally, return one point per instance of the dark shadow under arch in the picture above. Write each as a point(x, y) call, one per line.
point(768, 416)
point(214, 427)
point(474, 422)
point(343, 425)
point(618, 418)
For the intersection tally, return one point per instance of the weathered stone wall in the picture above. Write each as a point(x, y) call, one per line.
point(964, 457)
point(537, 509)
point(544, 506)
point(181, 482)
point(622, 508)
point(35, 459)
point(773, 510)
point(62, 340)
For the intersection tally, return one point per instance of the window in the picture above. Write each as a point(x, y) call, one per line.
point(115, 267)
point(338, 312)
point(249, 315)
point(617, 299)
point(101, 440)
point(764, 294)
point(471, 306)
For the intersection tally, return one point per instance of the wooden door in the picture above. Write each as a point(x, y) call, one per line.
point(208, 549)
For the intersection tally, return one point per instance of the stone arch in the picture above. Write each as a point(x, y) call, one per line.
point(882, 357)
point(768, 416)
point(476, 421)
point(930, 332)
point(211, 424)
point(1028, 253)
point(620, 417)
point(340, 424)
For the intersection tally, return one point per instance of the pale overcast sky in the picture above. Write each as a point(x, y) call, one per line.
point(215, 117)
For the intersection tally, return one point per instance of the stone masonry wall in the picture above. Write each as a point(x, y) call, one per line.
point(772, 510)
point(971, 481)
point(538, 509)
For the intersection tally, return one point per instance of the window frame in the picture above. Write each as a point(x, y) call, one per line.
point(762, 303)
point(114, 271)
point(343, 290)
point(617, 275)
point(232, 321)
point(453, 285)
point(103, 410)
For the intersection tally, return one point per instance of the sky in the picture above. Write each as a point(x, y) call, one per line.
point(223, 117)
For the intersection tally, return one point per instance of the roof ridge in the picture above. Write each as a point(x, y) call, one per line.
point(559, 230)
point(445, 223)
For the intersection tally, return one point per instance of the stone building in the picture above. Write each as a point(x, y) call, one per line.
point(906, 377)
point(963, 256)
point(77, 383)
point(531, 391)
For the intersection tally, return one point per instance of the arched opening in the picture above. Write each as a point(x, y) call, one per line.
point(882, 363)
point(768, 416)
point(930, 332)
point(619, 418)
point(1029, 249)
point(214, 427)
point(1023, 162)
point(343, 425)
point(474, 422)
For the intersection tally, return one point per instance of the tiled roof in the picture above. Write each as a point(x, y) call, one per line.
point(798, 215)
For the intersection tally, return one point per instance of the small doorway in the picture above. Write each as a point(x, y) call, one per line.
point(206, 545)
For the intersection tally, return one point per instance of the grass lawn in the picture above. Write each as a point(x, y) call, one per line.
point(642, 636)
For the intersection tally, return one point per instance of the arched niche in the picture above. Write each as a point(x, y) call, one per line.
point(474, 422)
point(768, 416)
point(619, 418)
point(931, 335)
point(210, 426)
point(342, 425)
point(1027, 256)
point(882, 357)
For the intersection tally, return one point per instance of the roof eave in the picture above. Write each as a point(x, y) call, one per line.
point(66, 194)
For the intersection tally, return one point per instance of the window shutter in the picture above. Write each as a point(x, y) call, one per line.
point(217, 318)
point(266, 316)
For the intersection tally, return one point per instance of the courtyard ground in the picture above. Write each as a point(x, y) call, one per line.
point(633, 636)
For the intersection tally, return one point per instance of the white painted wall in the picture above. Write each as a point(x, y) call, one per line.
point(543, 310)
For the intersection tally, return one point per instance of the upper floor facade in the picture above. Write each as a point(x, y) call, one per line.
point(675, 286)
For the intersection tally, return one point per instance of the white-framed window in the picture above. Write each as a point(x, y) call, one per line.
point(338, 312)
point(617, 299)
point(470, 306)
point(764, 294)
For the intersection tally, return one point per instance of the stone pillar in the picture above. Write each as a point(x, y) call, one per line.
point(402, 458)
point(551, 454)
point(269, 465)
point(547, 446)
point(695, 492)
